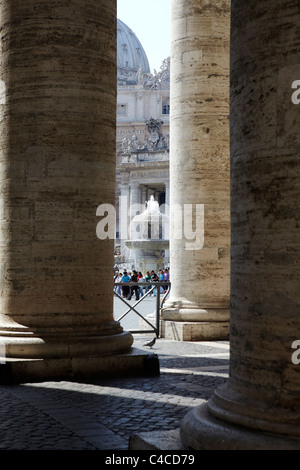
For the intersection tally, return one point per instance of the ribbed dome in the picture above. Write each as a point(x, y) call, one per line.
point(131, 55)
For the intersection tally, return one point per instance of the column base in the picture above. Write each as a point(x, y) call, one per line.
point(200, 430)
point(194, 331)
point(19, 341)
point(134, 363)
point(156, 440)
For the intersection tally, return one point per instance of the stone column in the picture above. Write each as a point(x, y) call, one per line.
point(57, 166)
point(259, 408)
point(198, 307)
point(167, 198)
point(144, 195)
point(124, 217)
point(135, 196)
point(134, 207)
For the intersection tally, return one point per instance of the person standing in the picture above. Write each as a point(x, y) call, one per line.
point(141, 279)
point(125, 289)
point(148, 279)
point(117, 278)
point(161, 278)
point(166, 278)
point(154, 278)
point(134, 289)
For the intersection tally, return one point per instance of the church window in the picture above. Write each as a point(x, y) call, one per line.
point(122, 109)
point(166, 106)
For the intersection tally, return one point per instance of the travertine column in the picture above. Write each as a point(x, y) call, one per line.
point(124, 216)
point(167, 197)
point(57, 166)
point(135, 198)
point(144, 195)
point(199, 169)
point(134, 208)
point(260, 405)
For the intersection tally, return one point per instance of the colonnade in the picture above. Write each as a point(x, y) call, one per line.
point(57, 152)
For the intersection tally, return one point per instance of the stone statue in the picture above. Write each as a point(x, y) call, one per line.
point(156, 140)
point(161, 79)
point(125, 145)
point(140, 75)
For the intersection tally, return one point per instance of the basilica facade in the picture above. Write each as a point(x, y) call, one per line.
point(143, 109)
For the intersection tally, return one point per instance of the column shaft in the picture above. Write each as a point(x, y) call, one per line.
point(57, 154)
point(262, 394)
point(199, 166)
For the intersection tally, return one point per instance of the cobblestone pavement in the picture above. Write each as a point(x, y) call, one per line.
point(104, 413)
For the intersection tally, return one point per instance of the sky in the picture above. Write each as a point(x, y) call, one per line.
point(150, 20)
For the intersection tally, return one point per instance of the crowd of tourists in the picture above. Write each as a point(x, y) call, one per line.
point(135, 276)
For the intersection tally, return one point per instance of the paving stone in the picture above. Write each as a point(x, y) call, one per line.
point(104, 413)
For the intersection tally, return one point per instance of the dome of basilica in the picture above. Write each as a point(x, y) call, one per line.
point(130, 55)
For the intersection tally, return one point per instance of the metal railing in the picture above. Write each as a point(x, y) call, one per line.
point(160, 298)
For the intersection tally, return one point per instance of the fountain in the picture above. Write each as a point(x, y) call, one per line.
point(149, 238)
